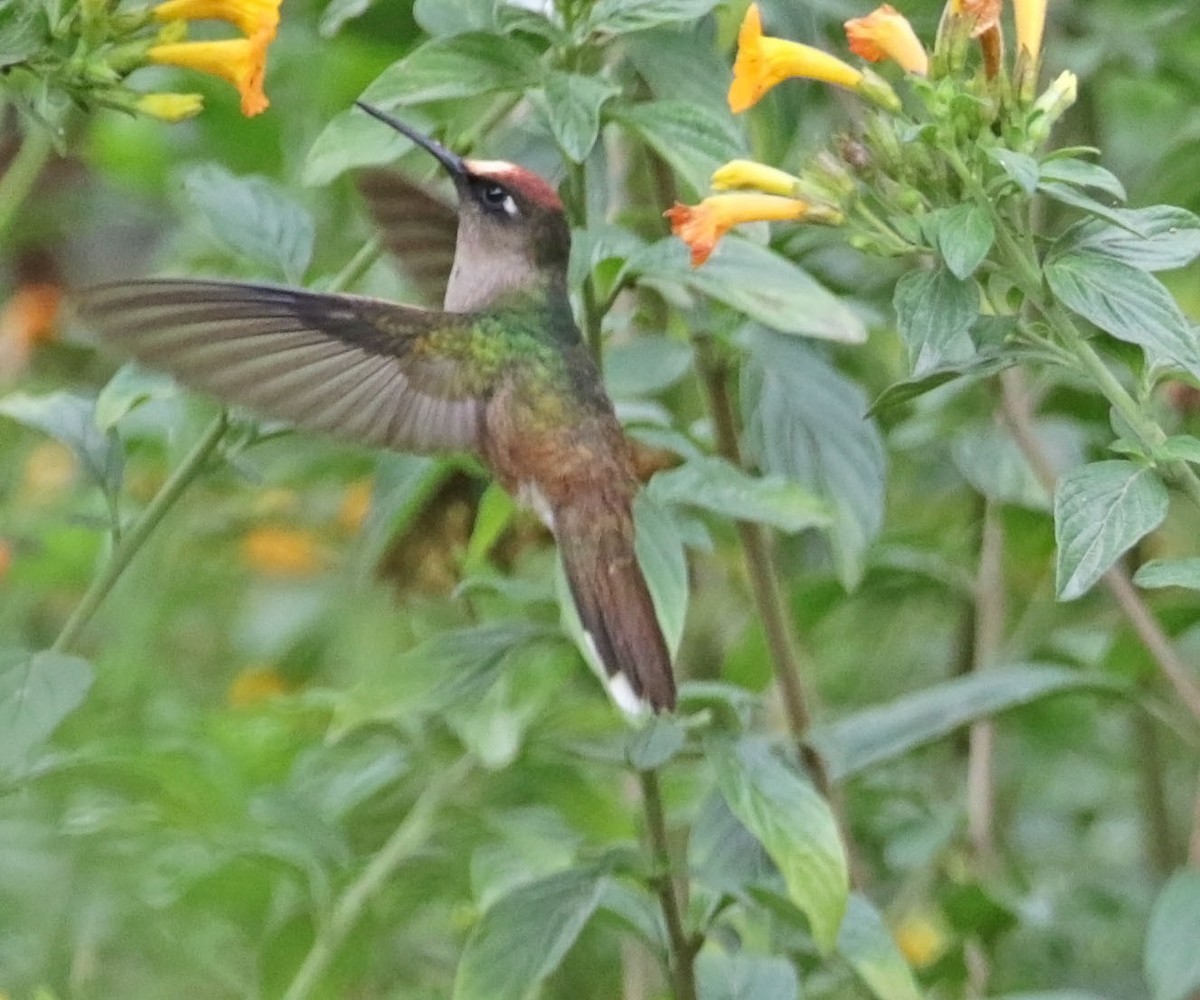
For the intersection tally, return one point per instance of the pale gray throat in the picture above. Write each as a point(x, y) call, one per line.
point(482, 275)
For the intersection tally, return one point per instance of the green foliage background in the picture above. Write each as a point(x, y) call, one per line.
point(379, 769)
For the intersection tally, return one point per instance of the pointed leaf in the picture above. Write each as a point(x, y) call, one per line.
point(1169, 238)
point(795, 826)
point(128, 389)
point(873, 735)
point(523, 936)
point(455, 17)
point(660, 739)
point(573, 105)
point(744, 977)
point(1129, 304)
point(1172, 960)
point(660, 553)
point(70, 419)
point(1101, 510)
point(455, 67)
point(1021, 168)
point(934, 311)
point(693, 139)
point(1081, 173)
point(866, 944)
point(37, 692)
point(964, 235)
point(1169, 573)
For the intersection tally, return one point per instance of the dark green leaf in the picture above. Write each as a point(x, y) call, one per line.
point(805, 420)
point(873, 735)
point(1100, 511)
point(1129, 304)
point(253, 217)
point(37, 691)
point(692, 138)
point(744, 977)
point(70, 419)
point(453, 68)
point(1169, 238)
point(964, 235)
point(524, 936)
point(618, 17)
point(1172, 960)
point(1169, 573)
point(972, 369)
point(715, 485)
point(573, 103)
point(658, 740)
point(1081, 173)
point(21, 35)
point(934, 311)
point(867, 946)
point(795, 826)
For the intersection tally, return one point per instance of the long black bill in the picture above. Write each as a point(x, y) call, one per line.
point(451, 161)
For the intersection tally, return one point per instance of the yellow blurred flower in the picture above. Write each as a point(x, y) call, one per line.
point(701, 226)
point(170, 107)
point(738, 175)
point(355, 505)
point(886, 34)
point(1030, 16)
point(49, 472)
point(282, 551)
point(251, 16)
point(255, 685)
point(920, 939)
point(6, 558)
point(241, 61)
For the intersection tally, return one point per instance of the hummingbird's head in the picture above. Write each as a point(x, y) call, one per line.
point(512, 231)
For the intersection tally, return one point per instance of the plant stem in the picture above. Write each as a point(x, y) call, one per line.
point(1115, 580)
point(135, 538)
point(683, 950)
point(1161, 852)
point(356, 266)
point(21, 175)
point(408, 838)
point(593, 314)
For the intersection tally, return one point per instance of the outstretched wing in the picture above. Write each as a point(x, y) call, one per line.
point(418, 229)
point(361, 369)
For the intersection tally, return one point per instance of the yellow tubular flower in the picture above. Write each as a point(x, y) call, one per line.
point(170, 107)
point(701, 226)
point(886, 34)
point(763, 62)
point(251, 16)
point(746, 174)
point(241, 61)
point(1030, 16)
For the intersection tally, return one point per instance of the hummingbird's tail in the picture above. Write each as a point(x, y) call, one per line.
point(614, 606)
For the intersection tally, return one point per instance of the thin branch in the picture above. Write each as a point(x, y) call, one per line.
point(683, 949)
point(406, 840)
point(21, 175)
point(1161, 850)
point(1115, 580)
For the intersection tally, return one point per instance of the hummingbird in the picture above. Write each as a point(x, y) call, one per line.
point(500, 371)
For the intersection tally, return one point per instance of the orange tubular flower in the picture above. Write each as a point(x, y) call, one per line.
point(763, 62)
point(701, 226)
point(241, 61)
point(886, 34)
point(984, 13)
point(251, 16)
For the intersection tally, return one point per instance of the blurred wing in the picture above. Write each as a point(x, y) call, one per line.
point(361, 369)
point(418, 229)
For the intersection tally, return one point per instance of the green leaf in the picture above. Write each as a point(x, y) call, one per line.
point(992, 462)
point(1172, 960)
point(972, 369)
point(682, 59)
point(338, 12)
point(964, 235)
point(873, 735)
point(1081, 173)
point(128, 389)
point(744, 977)
point(617, 17)
point(355, 139)
point(455, 17)
point(70, 419)
point(1179, 448)
point(37, 692)
point(805, 420)
point(21, 34)
point(1169, 238)
point(1100, 511)
point(1020, 168)
point(867, 946)
point(454, 68)
point(403, 484)
point(1169, 573)
point(524, 936)
point(722, 853)
point(693, 139)
point(661, 556)
point(655, 743)
point(573, 103)
point(1068, 195)
point(795, 826)
point(646, 365)
point(934, 311)
point(757, 282)
point(252, 217)
point(1128, 303)
point(715, 485)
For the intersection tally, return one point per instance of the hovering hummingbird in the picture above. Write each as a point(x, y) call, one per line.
point(501, 371)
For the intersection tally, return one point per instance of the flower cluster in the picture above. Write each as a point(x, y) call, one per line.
point(905, 145)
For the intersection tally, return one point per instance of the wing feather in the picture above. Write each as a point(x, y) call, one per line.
point(358, 368)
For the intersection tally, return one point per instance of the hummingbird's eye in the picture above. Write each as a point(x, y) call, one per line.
point(496, 197)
